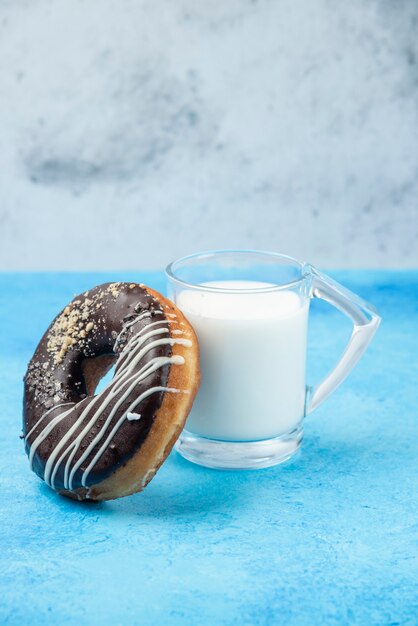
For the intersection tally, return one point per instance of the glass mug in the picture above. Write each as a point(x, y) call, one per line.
point(250, 312)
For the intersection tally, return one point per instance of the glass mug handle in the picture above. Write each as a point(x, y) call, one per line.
point(365, 323)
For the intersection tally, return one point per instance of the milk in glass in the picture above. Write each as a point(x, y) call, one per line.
point(253, 352)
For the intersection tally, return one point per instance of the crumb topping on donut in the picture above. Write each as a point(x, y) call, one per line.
point(47, 390)
point(74, 324)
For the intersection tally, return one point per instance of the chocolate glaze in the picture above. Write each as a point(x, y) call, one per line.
point(49, 383)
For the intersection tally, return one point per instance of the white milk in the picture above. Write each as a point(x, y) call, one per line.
point(252, 356)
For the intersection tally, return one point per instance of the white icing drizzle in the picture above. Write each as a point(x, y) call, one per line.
point(40, 438)
point(131, 355)
point(57, 406)
point(131, 323)
point(143, 373)
point(138, 340)
point(119, 423)
point(99, 436)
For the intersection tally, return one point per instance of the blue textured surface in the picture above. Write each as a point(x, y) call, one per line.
point(330, 538)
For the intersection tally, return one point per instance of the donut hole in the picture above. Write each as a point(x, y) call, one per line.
point(98, 372)
point(105, 380)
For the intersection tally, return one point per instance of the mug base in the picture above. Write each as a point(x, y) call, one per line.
point(239, 455)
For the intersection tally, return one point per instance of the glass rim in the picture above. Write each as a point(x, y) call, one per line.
point(305, 270)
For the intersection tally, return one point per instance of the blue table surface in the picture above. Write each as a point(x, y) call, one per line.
point(329, 538)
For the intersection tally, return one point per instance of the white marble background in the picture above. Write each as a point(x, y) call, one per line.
point(135, 131)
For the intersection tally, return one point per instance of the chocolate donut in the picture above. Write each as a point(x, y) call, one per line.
point(100, 447)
